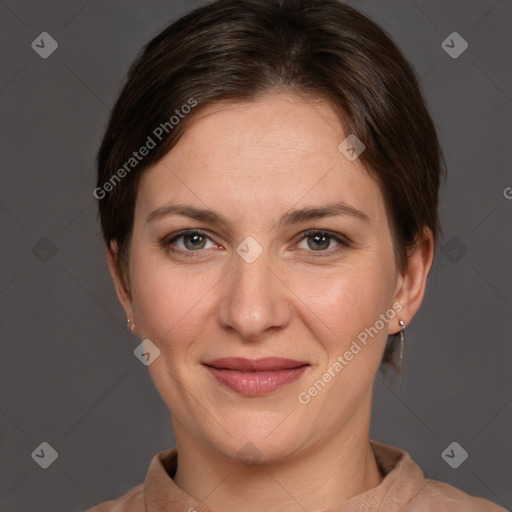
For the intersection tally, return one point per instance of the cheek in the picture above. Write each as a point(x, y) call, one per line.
point(171, 306)
point(345, 300)
point(171, 303)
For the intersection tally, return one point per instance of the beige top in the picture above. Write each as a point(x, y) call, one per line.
point(403, 489)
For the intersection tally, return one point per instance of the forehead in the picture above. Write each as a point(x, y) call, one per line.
point(270, 154)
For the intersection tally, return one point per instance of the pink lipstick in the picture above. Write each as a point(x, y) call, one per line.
point(255, 376)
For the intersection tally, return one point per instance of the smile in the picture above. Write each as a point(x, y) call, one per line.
point(255, 377)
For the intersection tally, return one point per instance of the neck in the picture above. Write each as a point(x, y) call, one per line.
point(318, 478)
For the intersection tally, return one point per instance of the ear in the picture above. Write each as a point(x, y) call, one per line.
point(412, 281)
point(120, 282)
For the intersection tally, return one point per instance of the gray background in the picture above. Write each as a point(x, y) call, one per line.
point(67, 369)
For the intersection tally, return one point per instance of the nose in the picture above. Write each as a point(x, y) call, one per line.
point(255, 300)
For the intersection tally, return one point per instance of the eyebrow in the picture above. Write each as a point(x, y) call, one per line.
point(291, 217)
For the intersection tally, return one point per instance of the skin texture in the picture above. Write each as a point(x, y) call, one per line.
point(253, 162)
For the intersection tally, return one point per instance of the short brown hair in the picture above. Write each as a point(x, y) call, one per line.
point(239, 50)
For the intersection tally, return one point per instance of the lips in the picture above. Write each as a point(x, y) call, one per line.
point(254, 365)
point(255, 376)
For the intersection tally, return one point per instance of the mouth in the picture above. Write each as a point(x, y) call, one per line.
point(255, 377)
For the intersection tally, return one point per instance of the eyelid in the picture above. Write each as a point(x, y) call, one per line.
point(342, 241)
point(167, 241)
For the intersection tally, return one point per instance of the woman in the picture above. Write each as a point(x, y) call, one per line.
point(268, 191)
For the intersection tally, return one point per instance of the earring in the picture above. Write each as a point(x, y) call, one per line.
point(402, 341)
point(131, 324)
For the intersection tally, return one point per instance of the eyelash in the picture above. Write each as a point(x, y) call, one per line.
point(167, 242)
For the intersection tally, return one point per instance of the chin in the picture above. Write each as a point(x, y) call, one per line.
point(263, 439)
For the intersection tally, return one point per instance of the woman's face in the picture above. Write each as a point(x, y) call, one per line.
point(257, 286)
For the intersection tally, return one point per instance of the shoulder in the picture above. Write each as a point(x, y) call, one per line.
point(405, 487)
point(157, 486)
point(132, 501)
point(439, 496)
